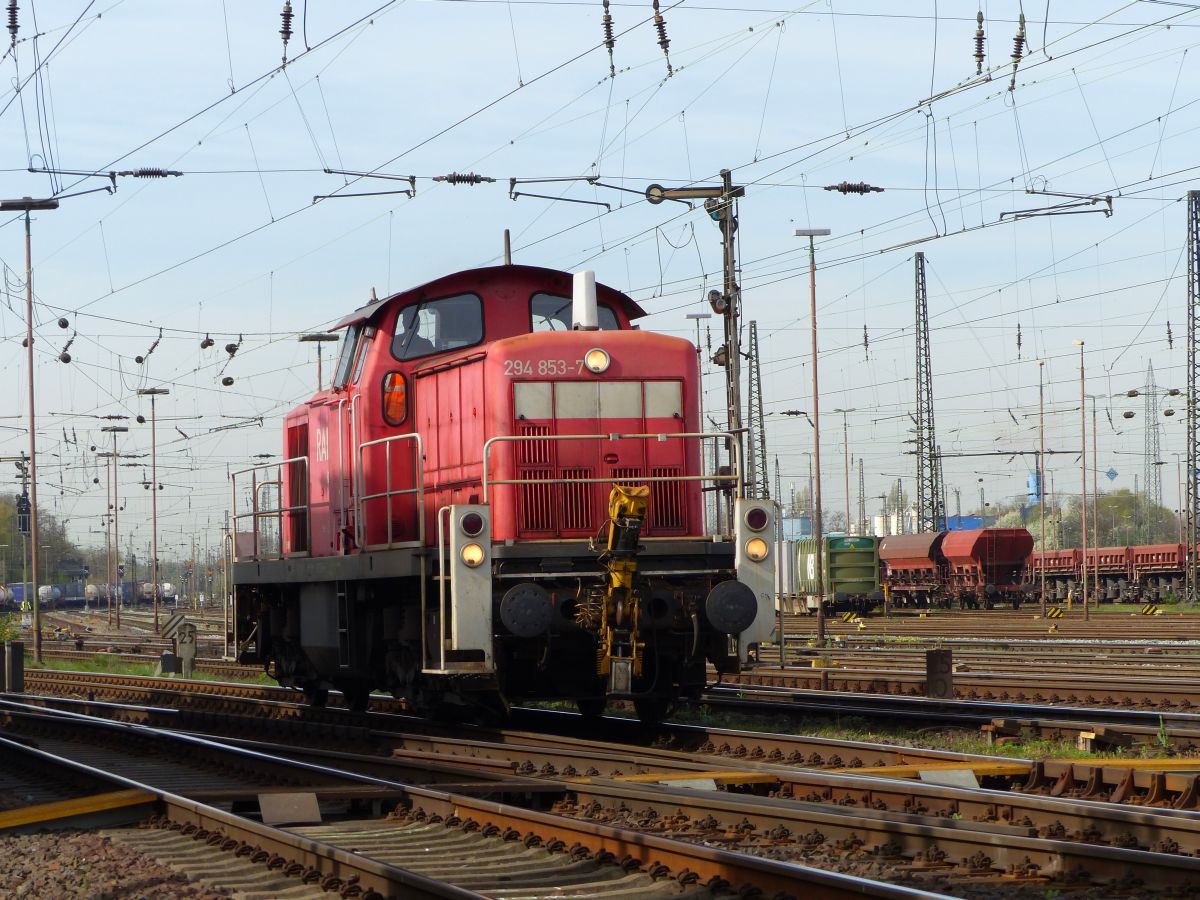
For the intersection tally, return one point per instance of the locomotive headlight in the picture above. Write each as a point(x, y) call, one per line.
point(757, 549)
point(596, 360)
point(472, 555)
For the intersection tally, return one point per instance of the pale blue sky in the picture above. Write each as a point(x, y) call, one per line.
point(791, 98)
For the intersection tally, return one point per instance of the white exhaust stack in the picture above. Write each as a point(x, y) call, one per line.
point(583, 305)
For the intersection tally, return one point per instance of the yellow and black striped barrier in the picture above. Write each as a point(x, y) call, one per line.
point(1054, 613)
point(850, 617)
point(1151, 610)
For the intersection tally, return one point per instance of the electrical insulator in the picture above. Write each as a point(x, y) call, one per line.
point(660, 25)
point(1018, 50)
point(64, 357)
point(1018, 340)
point(12, 21)
point(979, 38)
point(227, 381)
point(286, 31)
point(860, 187)
point(206, 343)
point(609, 41)
point(234, 348)
point(141, 359)
point(63, 323)
point(141, 420)
point(1170, 338)
point(463, 178)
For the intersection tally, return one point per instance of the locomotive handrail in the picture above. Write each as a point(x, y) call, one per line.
point(388, 493)
point(256, 513)
point(442, 513)
point(659, 436)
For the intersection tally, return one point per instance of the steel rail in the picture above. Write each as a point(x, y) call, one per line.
point(1051, 815)
point(687, 860)
point(313, 855)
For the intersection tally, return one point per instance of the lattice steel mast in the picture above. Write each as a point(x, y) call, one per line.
point(757, 483)
point(1152, 498)
point(1193, 385)
point(931, 508)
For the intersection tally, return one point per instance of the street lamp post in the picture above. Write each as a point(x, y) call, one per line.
point(318, 338)
point(1083, 476)
point(114, 430)
point(1041, 475)
point(811, 234)
point(107, 517)
point(153, 394)
point(28, 205)
point(1095, 510)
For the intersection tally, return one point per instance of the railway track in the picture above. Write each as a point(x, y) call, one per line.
point(1122, 623)
point(437, 844)
point(824, 802)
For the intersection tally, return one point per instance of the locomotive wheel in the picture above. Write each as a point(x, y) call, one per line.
point(316, 696)
point(591, 707)
point(651, 710)
point(356, 696)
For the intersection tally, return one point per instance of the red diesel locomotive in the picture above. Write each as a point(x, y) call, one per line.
point(500, 497)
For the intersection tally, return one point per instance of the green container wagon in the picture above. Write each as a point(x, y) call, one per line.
point(850, 565)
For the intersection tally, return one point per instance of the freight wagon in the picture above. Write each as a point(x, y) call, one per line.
point(980, 566)
point(850, 569)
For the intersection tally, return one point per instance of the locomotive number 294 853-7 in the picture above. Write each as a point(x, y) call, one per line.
point(543, 367)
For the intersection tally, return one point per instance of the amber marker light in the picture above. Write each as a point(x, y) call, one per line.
point(757, 549)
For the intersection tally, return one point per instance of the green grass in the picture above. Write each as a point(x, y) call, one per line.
point(854, 728)
point(111, 665)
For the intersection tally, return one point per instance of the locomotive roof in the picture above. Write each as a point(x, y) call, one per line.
point(545, 279)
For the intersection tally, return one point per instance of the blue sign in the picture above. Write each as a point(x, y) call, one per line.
point(1111, 474)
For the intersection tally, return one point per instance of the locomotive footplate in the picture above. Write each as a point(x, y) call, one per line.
point(398, 563)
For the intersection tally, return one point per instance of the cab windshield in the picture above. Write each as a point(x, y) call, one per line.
point(549, 312)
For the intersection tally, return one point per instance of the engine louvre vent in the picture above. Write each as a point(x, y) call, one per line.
point(576, 513)
point(666, 501)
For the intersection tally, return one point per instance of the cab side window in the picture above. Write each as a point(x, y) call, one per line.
point(437, 326)
point(549, 312)
point(346, 354)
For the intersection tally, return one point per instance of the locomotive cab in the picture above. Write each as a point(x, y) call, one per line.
point(494, 501)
